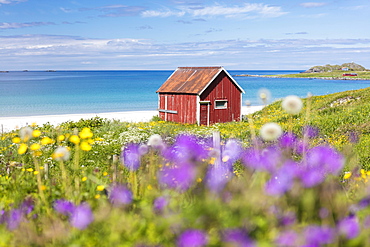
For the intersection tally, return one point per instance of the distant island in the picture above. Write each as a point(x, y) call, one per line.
point(346, 71)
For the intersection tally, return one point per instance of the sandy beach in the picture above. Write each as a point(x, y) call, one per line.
point(11, 123)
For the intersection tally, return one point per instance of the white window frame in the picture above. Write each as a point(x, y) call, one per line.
point(224, 106)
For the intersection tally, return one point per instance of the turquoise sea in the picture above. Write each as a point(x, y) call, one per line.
point(68, 92)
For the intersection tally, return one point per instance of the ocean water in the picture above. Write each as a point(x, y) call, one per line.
point(68, 92)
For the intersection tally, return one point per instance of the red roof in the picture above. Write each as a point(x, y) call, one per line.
point(192, 80)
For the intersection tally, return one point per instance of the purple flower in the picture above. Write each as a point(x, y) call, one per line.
point(287, 219)
point(349, 227)
point(180, 177)
point(232, 151)
point(82, 216)
point(64, 207)
point(192, 238)
point(310, 131)
point(320, 161)
point(131, 156)
point(13, 219)
point(267, 159)
point(237, 238)
point(287, 239)
point(217, 177)
point(364, 203)
point(27, 205)
point(160, 203)
point(318, 235)
point(353, 137)
point(120, 195)
point(186, 148)
point(288, 140)
point(366, 222)
point(281, 180)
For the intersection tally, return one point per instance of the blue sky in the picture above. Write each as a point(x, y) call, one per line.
point(165, 34)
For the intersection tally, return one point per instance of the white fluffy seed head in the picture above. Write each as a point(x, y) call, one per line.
point(271, 131)
point(155, 141)
point(292, 104)
point(25, 133)
point(61, 154)
point(264, 95)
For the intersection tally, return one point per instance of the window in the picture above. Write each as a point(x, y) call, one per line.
point(220, 104)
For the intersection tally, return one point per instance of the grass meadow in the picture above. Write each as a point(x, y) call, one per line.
point(284, 176)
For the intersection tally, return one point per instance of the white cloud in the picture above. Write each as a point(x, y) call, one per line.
point(71, 52)
point(248, 10)
point(15, 25)
point(313, 4)
point(11, 1)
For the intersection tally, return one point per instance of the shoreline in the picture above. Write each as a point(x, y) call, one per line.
point(13, 123)
point(298, 77)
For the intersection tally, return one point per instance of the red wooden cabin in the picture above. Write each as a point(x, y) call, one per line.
point(202, 95)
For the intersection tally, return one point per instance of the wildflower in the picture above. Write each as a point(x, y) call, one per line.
point(13, 219)
point(192, 238)
point(83, 179)
point(16, 140)
point(100, 187)
point(287, 238)
point(27, 205)
point(25, 133)
point(35, 146)
point(61, 138)
point(82, 216)
point(237, 237)
point(318, 235)
point(271, 131)
point(186, 148)
point(29, 169)
point(292, 104)
point(36, 133)
point(156, 141)
point(349, 227)
point(217, 177)
point(264, 95)
point(320, 161)
point(267, 159)
point(310, 131)
point(85, 133)
point(288, 140)
point(64, 207)
point(347, 175)
point(74, 139)
point(160, 203)
point(281, 180)
point(85, 146)
point(46, 140)
point(353, 137)
point(131, 156)
point(232, 151)
point(180, 176)
point(22, 148)
point(61, 154)
point(120, 195)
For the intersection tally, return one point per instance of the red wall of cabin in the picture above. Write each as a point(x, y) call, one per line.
point(222, 88)
point(184, 104)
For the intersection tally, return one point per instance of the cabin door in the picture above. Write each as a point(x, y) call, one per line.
point(204, 113)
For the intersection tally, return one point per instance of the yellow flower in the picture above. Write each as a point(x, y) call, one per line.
point(97, 196)
point(35, 147)
point(29, 169)
point(105, 173)
point(46, 140)
point(36, 133)
point(43, 187)
point(74, 139)
point(61, 138)
point(85, 146)
point(84, 179)
point(16, 140)
point(41, 168)
point(36, 172)
point(100, 188)
point(86, 133)
point(347, 175)
point(22, 148)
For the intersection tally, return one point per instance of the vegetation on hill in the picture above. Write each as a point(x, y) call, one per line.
point(99, 182)
point(329, 68)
